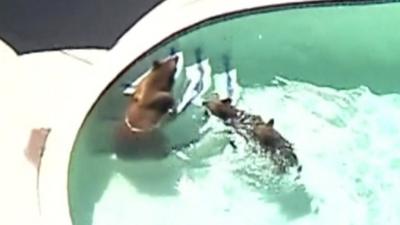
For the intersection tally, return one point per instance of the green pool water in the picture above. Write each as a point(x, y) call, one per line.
point(330, 78)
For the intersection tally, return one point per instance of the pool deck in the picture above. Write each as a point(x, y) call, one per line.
point(33, 89)
point(56, 89)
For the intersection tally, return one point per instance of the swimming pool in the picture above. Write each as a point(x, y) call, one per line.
point(328, 75)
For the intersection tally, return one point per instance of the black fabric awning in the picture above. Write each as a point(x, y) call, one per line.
point(39, 25)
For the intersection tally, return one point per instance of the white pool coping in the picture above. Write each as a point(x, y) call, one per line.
point(25, 81)
point(29, 92)
point(60, 99)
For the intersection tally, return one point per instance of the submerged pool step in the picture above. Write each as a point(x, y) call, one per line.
point(199, 77)
point(226, 85)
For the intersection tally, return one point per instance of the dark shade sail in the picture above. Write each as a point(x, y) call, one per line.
point(39, 25)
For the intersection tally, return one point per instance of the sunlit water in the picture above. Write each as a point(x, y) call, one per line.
point(347, 141)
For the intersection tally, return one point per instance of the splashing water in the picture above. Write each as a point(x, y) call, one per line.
point(347, 142)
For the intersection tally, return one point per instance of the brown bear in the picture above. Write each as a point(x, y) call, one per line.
point(152, 99)
point(252, 127)
point(282, 152)
point(150, 103)
point(222, 108)
point(267, 136)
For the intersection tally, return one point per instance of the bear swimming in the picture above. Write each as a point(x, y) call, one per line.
point(222, 109)
point(281, 150)
point(149, 104)
point(252, 127)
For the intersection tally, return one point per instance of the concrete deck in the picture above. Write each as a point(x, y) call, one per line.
point(33, 88)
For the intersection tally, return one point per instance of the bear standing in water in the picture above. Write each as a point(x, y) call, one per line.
point(152, 99)
point(149, 104)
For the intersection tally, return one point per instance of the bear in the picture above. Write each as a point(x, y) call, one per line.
point(152, 99)
point(267, 136)
point(252, 127)
point(222, 108)
point(149, 104)
point(282, 152)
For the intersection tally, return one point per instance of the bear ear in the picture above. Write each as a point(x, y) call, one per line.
point(271, 123)
point(156, 63)
point(227, 101)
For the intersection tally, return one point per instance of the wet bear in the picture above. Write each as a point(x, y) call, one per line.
point(271, 141)
point(149, 104)
point(222, 109)
point(152, 99)
point(252, 127)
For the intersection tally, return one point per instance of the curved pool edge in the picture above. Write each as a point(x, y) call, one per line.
point(54, 169)
point(53, 179)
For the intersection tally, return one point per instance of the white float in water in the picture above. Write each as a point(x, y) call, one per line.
point(226, 85)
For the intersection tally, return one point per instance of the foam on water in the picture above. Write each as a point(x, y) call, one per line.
point(347, 141)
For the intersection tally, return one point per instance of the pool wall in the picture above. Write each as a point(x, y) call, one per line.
point(173, 15)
